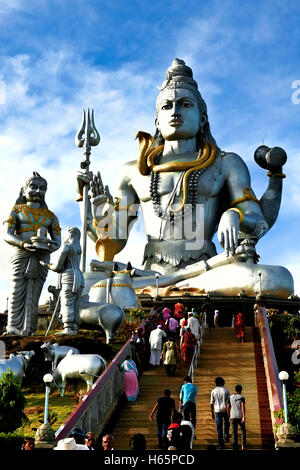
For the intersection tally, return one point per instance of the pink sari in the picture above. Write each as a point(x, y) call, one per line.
point(131, 384)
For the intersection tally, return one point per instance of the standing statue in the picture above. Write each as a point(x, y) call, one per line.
point(187, 188)
point(70, 280)
point(26, 230)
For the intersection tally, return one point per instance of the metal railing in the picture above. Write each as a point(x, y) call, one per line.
point(95, 409)
point(97, 406)
point(270, 364)
point(196, 354)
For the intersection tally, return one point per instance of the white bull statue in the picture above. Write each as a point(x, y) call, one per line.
point(85, 367)
point(55, 353)
point(106, 300)
point(17, 364)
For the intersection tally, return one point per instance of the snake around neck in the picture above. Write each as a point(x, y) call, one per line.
point(189, 181)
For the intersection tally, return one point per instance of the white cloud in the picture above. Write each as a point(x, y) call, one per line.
point(7, 6)
point(38, 128)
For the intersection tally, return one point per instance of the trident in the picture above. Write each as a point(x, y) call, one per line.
point(86, 137)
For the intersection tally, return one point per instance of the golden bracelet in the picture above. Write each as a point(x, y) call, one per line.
point(241, 215)
point(22, 244)
point(277, 175)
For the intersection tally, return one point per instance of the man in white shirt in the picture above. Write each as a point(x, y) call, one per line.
point(155, 340)
point(219, 400)
point(236, 412)
point(193, 324)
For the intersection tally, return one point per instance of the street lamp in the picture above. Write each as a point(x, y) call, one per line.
point(259, 274)
point(48, 379)
point(156, 280)
point(283, 377)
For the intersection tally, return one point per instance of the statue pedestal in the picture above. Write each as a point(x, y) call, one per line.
point(285, 433)
point(45, 437)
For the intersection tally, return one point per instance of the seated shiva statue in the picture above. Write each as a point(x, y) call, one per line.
point(187, 188)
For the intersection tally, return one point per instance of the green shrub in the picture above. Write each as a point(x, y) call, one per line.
point(284, 325)
point(12, 403)
point(136, 314)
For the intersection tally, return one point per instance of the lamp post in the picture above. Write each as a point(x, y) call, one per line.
point(259, 274)
point(283, 377)
point(47, 380)
point(156, 279)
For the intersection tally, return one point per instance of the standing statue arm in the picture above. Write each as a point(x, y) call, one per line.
point(244, 213)
point(10, 235)
point(58, 266)
point(14, 228)
point(55, 234)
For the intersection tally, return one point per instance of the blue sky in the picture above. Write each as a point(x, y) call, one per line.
point(57, 57)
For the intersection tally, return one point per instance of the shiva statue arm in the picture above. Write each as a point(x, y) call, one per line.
point(111, 219)
point(244, 214)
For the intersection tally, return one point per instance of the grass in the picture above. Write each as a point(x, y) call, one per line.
point(61, 406)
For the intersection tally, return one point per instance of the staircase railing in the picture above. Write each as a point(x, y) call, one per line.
point(97, 406)
point(270, 363)
point(196, 354)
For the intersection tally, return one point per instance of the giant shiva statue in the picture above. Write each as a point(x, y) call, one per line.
point(188, 189)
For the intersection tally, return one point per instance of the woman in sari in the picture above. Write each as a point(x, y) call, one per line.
point(169, 356)
point(187, 347)
point(240, 327)
point(131, 384)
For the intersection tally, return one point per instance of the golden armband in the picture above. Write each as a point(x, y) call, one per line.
point(241, 215)
point(247, 196)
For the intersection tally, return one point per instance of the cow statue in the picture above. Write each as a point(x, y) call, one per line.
point(17, 364)
point(85, 367)
point(54, 352)
point(108, 316)
point(106, 300)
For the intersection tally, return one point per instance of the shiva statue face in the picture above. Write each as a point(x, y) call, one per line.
point(178, 114)
point(35, 190)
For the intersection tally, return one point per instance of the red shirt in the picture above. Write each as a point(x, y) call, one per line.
point(178, 308)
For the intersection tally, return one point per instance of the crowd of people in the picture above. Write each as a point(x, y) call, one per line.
point(165, 336)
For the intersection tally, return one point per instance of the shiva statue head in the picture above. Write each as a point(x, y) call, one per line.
point(181, 112)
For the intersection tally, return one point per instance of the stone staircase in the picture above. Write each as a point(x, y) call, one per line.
point(221, 355)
